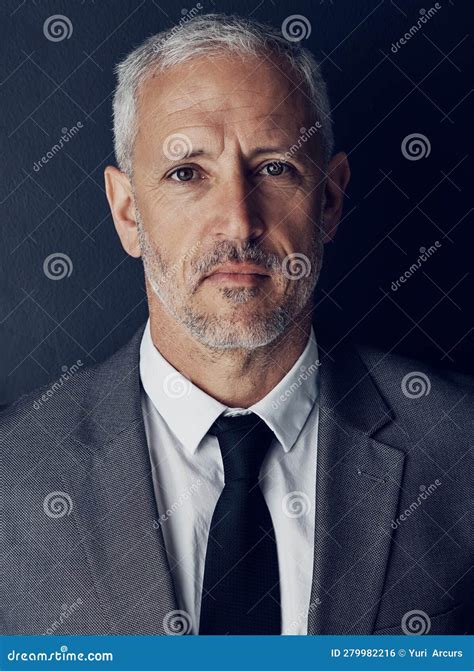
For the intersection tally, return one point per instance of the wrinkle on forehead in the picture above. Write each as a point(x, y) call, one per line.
point(226, 101)
point(199, 103)
point(200, 78)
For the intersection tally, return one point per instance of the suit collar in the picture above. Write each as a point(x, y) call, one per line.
point(112, 399)
point(348, 390)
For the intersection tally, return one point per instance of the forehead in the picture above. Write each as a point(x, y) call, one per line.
point(252, 93)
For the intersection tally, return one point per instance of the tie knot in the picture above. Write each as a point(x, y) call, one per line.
point(243, 441)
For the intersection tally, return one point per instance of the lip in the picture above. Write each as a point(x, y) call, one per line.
point(242, 274)
point(237, 269)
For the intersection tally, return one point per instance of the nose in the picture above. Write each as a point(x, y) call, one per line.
point(237, 214)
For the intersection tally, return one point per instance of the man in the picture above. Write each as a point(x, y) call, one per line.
point(223, 472)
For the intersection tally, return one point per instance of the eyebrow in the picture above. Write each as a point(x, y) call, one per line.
point(297, 157)
point(255, 152)
point(270, 150)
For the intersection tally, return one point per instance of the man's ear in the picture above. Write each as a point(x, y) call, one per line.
point(121, 201)
point(337, 179)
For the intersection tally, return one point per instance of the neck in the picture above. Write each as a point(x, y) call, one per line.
point(236, 377)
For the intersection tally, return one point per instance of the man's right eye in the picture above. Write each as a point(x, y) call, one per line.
point(185, 174)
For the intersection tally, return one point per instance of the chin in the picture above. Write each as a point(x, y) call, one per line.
point(236, 341)
point(239, 331)
point(234, 296)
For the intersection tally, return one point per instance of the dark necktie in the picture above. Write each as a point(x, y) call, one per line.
point(241, 588)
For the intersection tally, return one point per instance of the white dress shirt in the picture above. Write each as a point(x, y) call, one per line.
point(188, 474)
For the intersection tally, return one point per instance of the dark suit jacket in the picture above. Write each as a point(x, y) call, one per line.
point(80, 505)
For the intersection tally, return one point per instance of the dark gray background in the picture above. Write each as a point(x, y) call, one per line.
point(394, 206)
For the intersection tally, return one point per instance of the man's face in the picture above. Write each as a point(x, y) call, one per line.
point(214, 188)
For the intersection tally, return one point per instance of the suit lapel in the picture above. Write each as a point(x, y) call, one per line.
point(357, 492)
point(114, 503)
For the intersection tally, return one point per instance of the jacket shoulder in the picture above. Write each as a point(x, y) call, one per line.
point(51, 419)
point(422, 394)
point(39, 421)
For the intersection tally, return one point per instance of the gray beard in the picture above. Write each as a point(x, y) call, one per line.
point(218, 332)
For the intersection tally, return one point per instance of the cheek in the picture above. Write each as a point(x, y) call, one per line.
point(293, 209)
point(173, 231)
point(293, 235)
point(281, 197)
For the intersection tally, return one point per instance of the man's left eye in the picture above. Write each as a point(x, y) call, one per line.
point(276, 168)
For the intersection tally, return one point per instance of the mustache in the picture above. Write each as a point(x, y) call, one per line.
point(229, 252)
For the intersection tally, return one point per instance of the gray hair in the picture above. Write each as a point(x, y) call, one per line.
point(208, 35)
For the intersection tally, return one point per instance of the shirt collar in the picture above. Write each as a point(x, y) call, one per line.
point(189, 412)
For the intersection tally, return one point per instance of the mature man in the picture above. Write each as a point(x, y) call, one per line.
point(222, 473)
